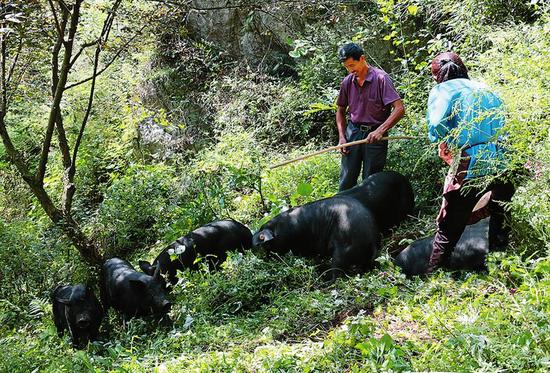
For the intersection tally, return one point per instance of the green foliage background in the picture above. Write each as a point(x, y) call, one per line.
point(275, 314)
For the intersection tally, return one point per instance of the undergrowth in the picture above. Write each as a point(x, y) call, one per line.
point(275, 313)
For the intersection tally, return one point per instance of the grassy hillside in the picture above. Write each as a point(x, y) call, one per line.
point(259, 313)
point(277, 315)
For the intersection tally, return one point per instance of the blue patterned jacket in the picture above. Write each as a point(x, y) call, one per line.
point(468, 116)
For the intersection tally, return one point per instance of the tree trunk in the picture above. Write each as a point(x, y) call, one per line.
point(65, 19)
point(68, 225)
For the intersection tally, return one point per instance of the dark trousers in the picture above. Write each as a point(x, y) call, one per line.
point(460, 204)
point(371, 156)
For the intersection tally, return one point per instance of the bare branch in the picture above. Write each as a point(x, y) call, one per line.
point(63, 143)
point(57, 49)
point(62, 80)
point(13, 64)
point(18, 79)
point(174, 3)
point(57, 25)
point(14, 154)
point(88, 108)
point(117, 54)
point(109, 21)
point(64, 6)
point(62, 138)
point(187, 4)
point(103, 37)
point(235, 5)
point(82, 48)
point(104, 32)
point(3, 83)
point(69, 187)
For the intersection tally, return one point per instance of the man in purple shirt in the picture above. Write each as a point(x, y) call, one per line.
point(369, 95)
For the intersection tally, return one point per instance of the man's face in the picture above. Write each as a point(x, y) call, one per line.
point(355, 66)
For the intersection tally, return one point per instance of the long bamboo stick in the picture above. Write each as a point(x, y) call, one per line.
point(338, 147)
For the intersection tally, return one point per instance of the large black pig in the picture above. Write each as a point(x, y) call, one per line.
point(213, 240)
point(131, 292)
point(469, 253)
point(76, 309)
point(340, 228)
point(388, 195)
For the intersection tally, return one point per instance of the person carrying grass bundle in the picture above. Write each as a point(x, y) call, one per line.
point(467, 119)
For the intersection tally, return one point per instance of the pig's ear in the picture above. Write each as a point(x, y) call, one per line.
point(63, 300)
point(179, 249)
point(146, 267)
point(62, 295)
point(138, 285)
point(262, 236)
point(183, 244)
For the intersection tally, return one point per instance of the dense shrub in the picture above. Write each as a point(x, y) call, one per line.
point(300, 182)
point(273, 110)
point(137, 208)
point(262, 313)
point(34, 261)
point(517, 67)
point(530, 205)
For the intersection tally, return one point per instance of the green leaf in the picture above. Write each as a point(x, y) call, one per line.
point(387, 341)
point(413, 9)
point(294, 54)
point(304, 189)
point(319, 106)
point(364, 347)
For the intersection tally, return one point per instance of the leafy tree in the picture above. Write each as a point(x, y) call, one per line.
point(41, 38)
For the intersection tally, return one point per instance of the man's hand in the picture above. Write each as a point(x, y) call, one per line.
point(374, 136)
point(341, 141)
point(444, 153)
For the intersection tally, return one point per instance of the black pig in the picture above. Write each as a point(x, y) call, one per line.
point(388, 195)
point(76, 309)
point(469, 253)
point(132, 293)
point(340, 228)
point(213, 240)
